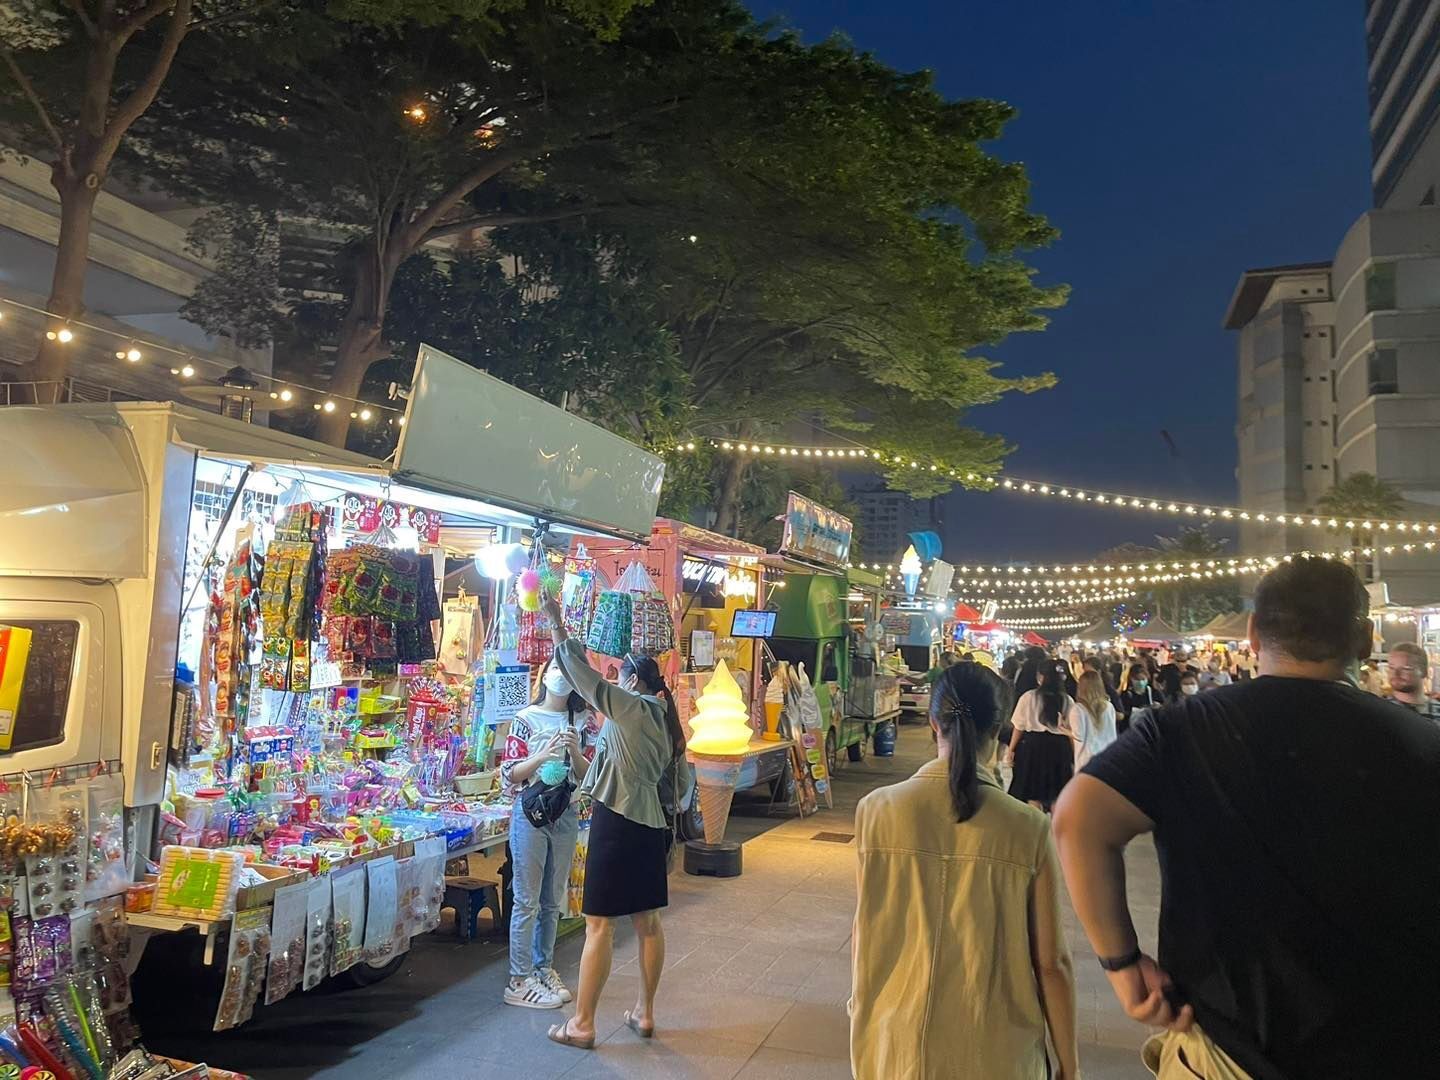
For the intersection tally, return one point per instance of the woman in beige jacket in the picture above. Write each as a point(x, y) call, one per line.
point(960, 960)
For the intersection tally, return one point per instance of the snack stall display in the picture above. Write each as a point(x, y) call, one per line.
point(234, 689)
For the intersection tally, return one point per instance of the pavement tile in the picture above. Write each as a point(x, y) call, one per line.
point(823, 1031)
point(668, 1055)
point(771, 1064)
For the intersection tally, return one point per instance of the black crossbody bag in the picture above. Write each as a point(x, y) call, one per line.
point(545, 804)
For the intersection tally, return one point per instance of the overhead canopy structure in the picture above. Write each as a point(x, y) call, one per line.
point(1032, 638)
point(1157, 629)
point(1233, 626)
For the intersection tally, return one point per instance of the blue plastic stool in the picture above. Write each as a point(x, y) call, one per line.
point(469, 896)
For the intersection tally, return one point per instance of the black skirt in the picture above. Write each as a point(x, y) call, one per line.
point(624, 866)
point(1044, 763)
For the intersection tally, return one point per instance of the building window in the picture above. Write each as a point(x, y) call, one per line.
point(1322, 333)
point(1380, 287)
point(1380, 369)
point(1309, 468)
point(1309, 423)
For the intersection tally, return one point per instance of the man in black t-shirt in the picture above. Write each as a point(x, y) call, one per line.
point(1171, 673)
point(1297, 822)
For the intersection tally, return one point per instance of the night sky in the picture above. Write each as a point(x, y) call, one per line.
point(1174, 146)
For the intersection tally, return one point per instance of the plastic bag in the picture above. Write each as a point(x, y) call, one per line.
point(536, 646)
point(107, 870)
point(610, 629)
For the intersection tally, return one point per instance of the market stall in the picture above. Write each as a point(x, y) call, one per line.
point(235, 638)
point(714, 588)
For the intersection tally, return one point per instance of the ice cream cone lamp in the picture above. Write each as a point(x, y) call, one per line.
point(721, 722)
point(720, 733)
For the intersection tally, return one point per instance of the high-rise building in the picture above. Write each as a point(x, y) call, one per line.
point(1339, 362)
point(887, 518)
point(1402, 39)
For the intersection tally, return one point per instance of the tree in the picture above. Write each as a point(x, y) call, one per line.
point(62, 91)
point(835, 260)
point(78, 75)
point(410, 134)
point(1194, 602)
point(1360, 496)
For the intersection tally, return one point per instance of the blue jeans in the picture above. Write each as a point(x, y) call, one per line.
point(540, 864)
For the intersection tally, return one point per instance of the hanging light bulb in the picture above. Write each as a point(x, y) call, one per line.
point(188, 371)
point(366, 414)
point(329, 406)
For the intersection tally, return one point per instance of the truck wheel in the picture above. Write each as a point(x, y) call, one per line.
point(832, 756)
point(367, 974)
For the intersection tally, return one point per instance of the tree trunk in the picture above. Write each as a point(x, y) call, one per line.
point(727, 502)
point(360, 344)
point(67, 284)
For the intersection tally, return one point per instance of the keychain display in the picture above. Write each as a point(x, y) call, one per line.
point(244, 968)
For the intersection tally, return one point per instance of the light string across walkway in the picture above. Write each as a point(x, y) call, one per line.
point(841, 455)
point(135, 349)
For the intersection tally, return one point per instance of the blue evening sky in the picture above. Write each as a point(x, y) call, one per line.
point(1174, 143)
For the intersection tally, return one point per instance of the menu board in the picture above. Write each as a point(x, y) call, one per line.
point(815, 532)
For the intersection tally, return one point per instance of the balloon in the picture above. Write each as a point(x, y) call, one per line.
point(516, 558)
point(494, 561)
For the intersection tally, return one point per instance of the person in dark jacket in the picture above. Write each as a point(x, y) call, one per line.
point(1139, 693)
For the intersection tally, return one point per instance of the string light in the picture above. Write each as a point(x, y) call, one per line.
point(135, 350)
point(1057, 622)
point(1109, 499)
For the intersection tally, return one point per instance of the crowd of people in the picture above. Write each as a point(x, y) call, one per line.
point(1296, 817)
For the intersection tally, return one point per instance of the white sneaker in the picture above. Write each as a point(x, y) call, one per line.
point(552, 981)
point(531, 993)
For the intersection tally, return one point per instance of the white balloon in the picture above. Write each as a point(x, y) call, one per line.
point(493, 560)
point(516, 558)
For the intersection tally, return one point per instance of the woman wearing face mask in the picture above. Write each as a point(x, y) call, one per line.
point(1189, 685)
point(546, 745)
point(640, 743)
point(1139, 693)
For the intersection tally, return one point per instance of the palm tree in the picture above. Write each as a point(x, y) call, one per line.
point(1359, 496)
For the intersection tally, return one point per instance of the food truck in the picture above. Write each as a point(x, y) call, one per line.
point(118, 522)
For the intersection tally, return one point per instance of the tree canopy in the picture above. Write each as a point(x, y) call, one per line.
point(778, 234)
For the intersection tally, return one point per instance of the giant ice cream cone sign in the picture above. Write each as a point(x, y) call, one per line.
point(910, 567)
point(720, 732)
point(721, 722)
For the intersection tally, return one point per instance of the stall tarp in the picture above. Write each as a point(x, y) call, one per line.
point(472, 435)
point(1157, 629)
point(1232, 627)
point(967, 614)
point(1032, 638)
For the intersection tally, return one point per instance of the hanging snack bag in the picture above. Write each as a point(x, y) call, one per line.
point(244, 968)
point(317, 933)
point(348, 905)
point(106, 870)
point(536, 646)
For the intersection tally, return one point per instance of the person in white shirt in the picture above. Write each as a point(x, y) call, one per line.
point(1214, 674)
point(1092, 719)
point(1040, 744)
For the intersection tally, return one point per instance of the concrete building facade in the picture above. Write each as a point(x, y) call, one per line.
point(1285, 409)
point(1339, 363)
point(140, 275)
point(887, 518)
point(1402, 39)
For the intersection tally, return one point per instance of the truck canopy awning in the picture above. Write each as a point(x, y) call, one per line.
point(72, 503)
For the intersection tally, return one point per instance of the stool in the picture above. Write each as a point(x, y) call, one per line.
point(469, 896)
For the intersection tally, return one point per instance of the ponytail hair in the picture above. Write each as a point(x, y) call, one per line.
point(966, 706)
point(647, 673)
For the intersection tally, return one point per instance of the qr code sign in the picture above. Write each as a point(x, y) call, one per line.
point(512, 692)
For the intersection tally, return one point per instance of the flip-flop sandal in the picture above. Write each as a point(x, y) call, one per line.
point(634, 1025)
point(560, 1033)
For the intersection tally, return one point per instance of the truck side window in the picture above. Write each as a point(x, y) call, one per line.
point(828, 671)
point(39, 719)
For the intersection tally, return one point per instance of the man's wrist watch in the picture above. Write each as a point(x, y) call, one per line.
point(1120, 963)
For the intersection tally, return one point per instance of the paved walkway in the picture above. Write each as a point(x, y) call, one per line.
point(757, 975)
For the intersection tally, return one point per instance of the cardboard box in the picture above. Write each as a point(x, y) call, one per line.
point(276, 877)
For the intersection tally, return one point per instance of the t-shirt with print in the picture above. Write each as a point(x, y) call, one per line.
point(531, 729)
point(1297, 823)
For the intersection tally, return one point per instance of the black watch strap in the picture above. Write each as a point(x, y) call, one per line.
point(1120, 963)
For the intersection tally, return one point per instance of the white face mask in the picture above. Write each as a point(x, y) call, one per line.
point(1189, 688)
point(556, 683)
